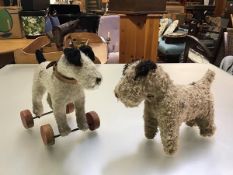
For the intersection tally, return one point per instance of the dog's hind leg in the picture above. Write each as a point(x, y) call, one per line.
point(49, 101)
point(206, 124)
point(80, 113)
point(38, 91)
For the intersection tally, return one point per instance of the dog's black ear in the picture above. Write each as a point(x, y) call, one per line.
point(39, 56)
point(73, 56)
point(143, 68)
point(87, 50)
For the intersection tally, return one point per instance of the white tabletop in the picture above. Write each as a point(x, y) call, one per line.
point(118, 147)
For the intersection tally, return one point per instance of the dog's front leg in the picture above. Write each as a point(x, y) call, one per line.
point(169, 131)
point(150, 123)
point(59, 111)
point(38, 91)
point(80, 114)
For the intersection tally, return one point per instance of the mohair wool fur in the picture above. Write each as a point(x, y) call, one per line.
point(167, 105)
point(73, 64)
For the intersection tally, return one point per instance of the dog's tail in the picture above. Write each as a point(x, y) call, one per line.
point(208, 77)
point(39, 56)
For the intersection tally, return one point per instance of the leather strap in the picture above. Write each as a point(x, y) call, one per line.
point(60, 76)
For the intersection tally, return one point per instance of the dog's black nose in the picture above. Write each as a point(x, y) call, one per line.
point(98, 80)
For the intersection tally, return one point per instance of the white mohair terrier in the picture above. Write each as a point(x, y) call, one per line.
point(65, 81)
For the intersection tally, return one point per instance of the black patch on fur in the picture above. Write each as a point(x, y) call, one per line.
point(143, 68)
point(87, 50)
point(125, 68)
point(73, 56)
point(39, 56)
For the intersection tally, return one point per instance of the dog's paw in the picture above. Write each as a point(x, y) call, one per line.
point(82, 122)
point(82, 125)
point(207, 132)
point(64, 131)
point(150, 132)
point(38, 110)
point(170, 151)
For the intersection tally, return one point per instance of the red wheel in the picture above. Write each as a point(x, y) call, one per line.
point(69, 108)
point(27, 119)
point(93, 120)
point(47, 134)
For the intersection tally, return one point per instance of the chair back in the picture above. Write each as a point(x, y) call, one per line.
point(195, 51)
point(207, 42)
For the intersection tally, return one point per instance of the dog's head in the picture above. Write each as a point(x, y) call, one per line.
point(131, 90)
point(78, 63)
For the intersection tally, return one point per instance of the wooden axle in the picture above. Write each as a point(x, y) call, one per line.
point(28, 119)
point(49, 137)
point(73, 130)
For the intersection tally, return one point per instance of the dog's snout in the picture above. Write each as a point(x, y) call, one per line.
point(116, 95)
point(98, 80)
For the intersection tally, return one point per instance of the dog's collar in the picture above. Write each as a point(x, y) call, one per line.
point(60, 76)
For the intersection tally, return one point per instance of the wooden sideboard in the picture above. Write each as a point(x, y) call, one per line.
point(9, 45)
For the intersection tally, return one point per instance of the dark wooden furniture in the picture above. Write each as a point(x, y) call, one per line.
point(138, 37)
point(220, 7)
point(139, 26)
point(8, 47)
point(194, 46)
point(199, 49)
point(35, 4)
point(87, 22)
point(59, 32)
point(207, 43)
point(200, 11)
point(139, 6)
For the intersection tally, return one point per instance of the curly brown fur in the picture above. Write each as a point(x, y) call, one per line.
point(167, 105)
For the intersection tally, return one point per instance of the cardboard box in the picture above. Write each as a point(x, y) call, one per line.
point(10, 23)
point(137, 7)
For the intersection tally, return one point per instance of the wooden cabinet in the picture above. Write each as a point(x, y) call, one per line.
point(220, 7)
point(139, 27)
point(138, 37)
point(139, 6)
